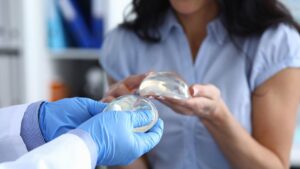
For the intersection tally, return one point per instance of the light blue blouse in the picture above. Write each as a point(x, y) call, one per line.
point(236, 71)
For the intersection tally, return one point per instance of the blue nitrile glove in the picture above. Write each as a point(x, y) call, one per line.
point(114, 136)
point(57, 118)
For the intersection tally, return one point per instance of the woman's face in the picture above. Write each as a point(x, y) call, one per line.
point(186, 7)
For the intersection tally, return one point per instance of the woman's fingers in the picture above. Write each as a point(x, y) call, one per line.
point(133, 82)
point(127, 86)
point(208, 91)
point(199, 106)
point(178, 106)
point(203, 103)
point(118, 89)
point(107, 99)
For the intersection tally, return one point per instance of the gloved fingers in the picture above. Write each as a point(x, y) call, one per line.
point(140, 118)
point(151, 138)
point(94, 107)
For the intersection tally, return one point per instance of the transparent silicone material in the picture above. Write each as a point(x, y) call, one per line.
point(132, 103)
point(166, 84)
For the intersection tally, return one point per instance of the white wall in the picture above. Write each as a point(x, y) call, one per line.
point(115, 12)
point(294, 6)
point(37, 69)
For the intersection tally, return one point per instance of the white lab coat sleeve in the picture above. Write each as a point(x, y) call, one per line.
point(11, 143)
point(75, 150)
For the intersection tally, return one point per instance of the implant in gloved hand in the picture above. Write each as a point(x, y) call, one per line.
point(167, 84)
point(134, 103)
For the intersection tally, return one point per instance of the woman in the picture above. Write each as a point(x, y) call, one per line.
point(243, 58)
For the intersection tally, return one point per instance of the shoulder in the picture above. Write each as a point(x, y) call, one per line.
point(279, 38)
point(119, 41)
point(281, 30)
point(279, 44)
point(118, 52)
point(120, 34)
point(276, 43)
point(116, 42)
point(276, 49)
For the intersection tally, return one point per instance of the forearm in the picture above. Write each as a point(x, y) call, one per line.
point(67, 151)
point(242, 150)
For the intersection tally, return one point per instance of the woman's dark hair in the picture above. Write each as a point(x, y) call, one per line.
point(240, 17)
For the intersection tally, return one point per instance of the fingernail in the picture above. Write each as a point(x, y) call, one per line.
point(151, 97)
point(161, 98)
point(149, 73)
point(195, 91)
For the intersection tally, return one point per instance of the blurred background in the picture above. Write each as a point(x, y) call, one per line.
point(49, 49)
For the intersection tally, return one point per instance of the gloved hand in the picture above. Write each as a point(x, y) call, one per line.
point(57, 118)
point(114, 136)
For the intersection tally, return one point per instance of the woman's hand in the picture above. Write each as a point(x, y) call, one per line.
point(205, 102)
point(124, 87)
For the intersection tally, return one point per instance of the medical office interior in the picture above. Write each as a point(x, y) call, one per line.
point(47, 54)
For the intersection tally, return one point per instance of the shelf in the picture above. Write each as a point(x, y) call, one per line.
point(9, 51)
point(76, 54)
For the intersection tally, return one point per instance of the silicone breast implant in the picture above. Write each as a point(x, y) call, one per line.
point(166, 84)
point(133, 103)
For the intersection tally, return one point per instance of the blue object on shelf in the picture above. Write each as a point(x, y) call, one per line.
point(98, 15)
point(56, 36)
point(75, 23)
point(98, 31)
